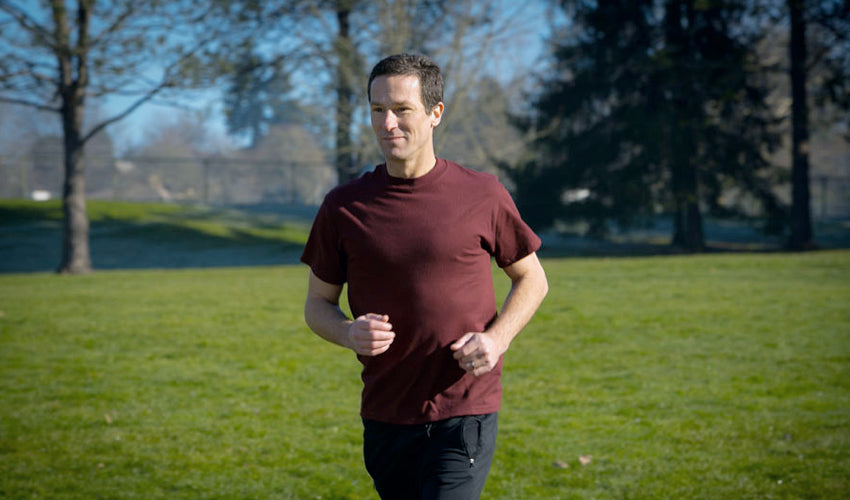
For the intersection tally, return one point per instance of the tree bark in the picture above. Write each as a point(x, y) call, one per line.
point(76, 257)
point(688, 233)
point(345, 167)
point(687, 227)
point(801, 237)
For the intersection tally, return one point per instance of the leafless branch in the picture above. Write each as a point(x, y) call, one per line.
point(163, 84)
point(31, 104)
point(26, 22)
point(123, 114)
point(115, 26)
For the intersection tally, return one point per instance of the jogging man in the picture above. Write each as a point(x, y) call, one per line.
point(414, 240)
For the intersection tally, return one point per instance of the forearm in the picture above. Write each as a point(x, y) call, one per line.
point(523, 299)
point(327, 320)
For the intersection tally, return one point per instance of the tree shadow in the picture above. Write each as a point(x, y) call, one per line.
point(169, 237)
point(722, 236)
point(204, 239)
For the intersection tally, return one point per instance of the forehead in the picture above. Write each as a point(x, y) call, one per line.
point(389, 89)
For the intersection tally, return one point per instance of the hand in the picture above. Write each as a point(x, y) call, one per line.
point(476, 353)
point(371, 334)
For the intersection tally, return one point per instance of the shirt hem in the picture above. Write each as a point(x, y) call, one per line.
point(435, 417)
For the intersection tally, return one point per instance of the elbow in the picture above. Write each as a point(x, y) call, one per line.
point(544, 285)
point(310, 313)
point(307, 316)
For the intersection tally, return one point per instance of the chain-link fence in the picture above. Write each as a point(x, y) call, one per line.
point(212, 180)
point(830, 196)
point(220, 180)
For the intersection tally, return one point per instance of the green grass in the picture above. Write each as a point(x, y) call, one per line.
point(723, 376)
point(701, 377)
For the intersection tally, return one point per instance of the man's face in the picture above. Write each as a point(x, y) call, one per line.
point(402, 125)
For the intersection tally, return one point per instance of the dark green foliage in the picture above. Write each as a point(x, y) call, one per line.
point(655, 106)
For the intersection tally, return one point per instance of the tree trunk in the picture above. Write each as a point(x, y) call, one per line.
point(76, 258)
point(801, 237)
point(687, 227)
point(345, 167)
point(688, 233)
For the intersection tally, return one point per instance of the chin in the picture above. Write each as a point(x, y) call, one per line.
point(395, 155)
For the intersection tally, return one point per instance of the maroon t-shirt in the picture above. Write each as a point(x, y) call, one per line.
point(419, 251)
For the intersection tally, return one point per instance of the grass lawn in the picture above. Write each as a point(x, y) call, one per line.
point(698, 377)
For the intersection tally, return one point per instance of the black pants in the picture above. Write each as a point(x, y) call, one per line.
point(442, 460)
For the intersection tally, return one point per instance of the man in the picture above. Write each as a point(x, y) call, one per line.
point(414, 240)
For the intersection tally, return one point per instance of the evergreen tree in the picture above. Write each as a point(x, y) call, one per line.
point(652, 105)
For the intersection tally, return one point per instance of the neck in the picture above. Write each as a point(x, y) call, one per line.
point(411, 169)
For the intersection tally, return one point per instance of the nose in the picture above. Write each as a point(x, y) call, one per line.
point(390, 121)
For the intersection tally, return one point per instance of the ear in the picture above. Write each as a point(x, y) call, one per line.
point(437, 114)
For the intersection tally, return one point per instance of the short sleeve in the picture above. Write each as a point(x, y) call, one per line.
point(513, 238)
point(323, 251)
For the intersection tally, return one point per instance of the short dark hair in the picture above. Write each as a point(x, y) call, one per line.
point(423, 67)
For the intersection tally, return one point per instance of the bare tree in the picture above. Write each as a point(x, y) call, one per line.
point(337, 41)
point(55, 60)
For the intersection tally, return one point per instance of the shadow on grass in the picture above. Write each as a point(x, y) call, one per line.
point(721, 236)
point(565, 247)
point(30, 238)
point(147, 236)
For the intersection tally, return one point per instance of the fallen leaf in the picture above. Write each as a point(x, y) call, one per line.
point(585, 459)
point(108, 418)
point(559, 464)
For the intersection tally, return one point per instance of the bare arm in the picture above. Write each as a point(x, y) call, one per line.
point(478, 352)
point(369, 335)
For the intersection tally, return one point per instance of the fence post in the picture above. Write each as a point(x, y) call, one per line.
point(24, 188)
point(205, 186)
